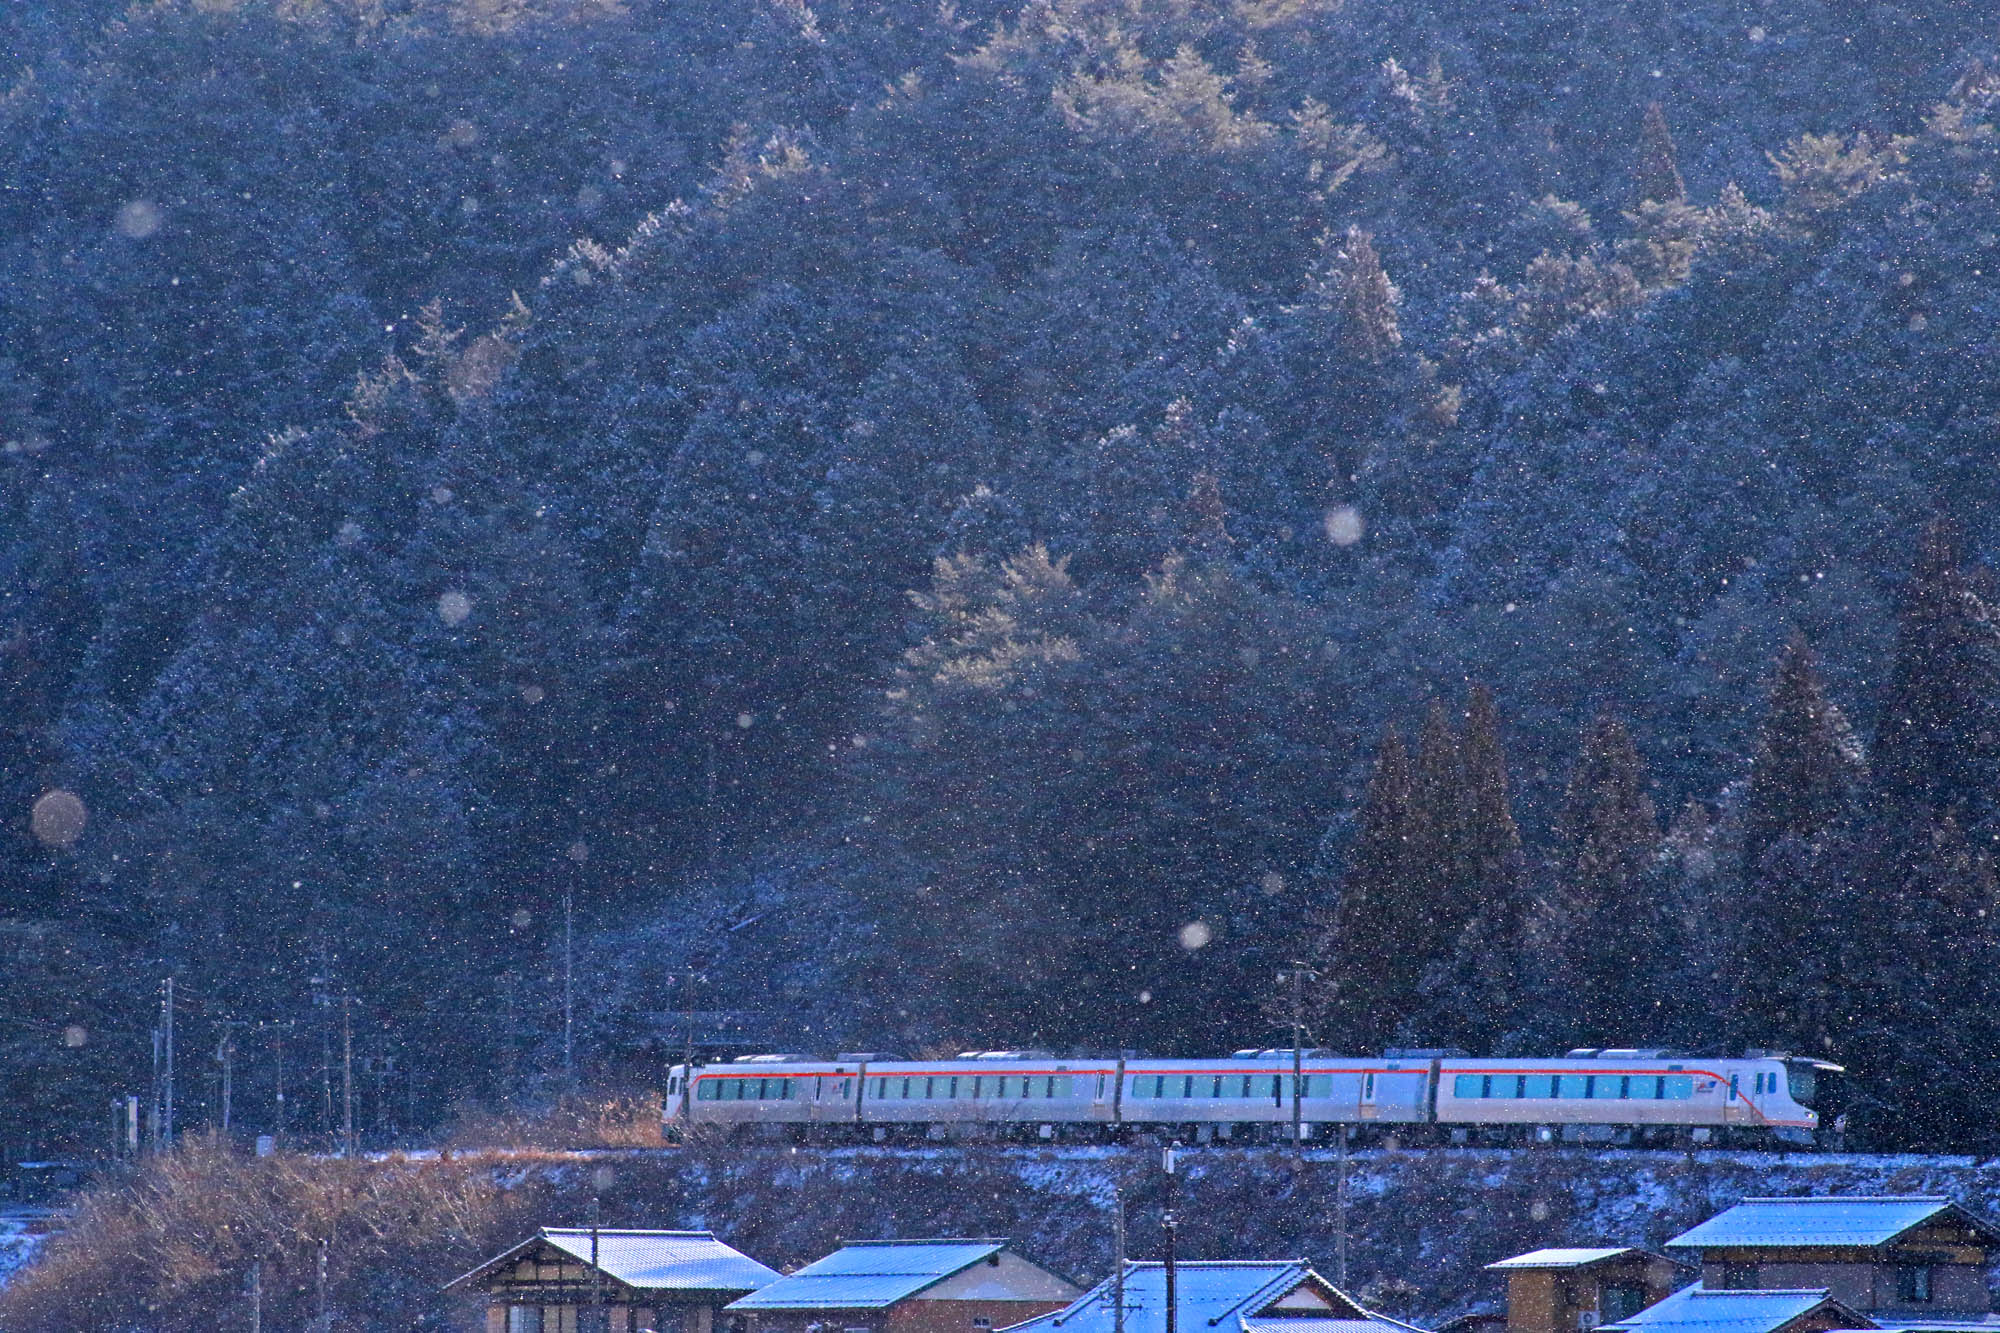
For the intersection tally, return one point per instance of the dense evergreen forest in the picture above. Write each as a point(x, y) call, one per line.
point(994, 523)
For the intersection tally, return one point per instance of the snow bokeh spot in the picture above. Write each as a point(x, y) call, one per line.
point(57, 818)
point(75, 1035)
point(454, 607)
point(1196, 935)
point(1343, 525)
point(137, 220)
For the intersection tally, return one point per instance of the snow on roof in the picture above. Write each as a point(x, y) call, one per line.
point(1698, 1310)
point(1559, 1258)
point(867, 1275)
point(1233, 1295)
point(1829, 1220)
point(692, 1261)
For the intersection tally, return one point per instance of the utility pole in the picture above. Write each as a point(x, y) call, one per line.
point(1118, 1247)
point(278, 1078)
point(569, 992)
point(1340, 1213)
point(167, 1041)
point(597, 1320)
point(159, 1089)
point(257, 1297)
point(687, 1048)
point(1297, 976)
point(319, 1288)
point(347, 1076)
point(225, 1055)
point(385, 1069)
point(1170, 1222)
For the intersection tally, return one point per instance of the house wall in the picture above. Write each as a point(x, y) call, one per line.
point(1864, 1284)
point(935, 1316)
point(1565, 1300)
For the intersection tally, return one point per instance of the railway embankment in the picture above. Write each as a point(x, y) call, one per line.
point(1421, 1224)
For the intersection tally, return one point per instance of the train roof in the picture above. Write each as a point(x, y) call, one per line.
point(1831, 1220)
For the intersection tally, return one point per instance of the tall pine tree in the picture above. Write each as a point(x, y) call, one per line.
point(1937, 747)
point(1807, 761)
point(1369, 956)
point(1614, 939)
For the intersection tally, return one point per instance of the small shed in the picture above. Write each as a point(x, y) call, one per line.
point(1232, 1296)
point(1570, 1290)
point(907, 1286)
point(1921, 1256)
point(648, 1281)
point(1697, 1310)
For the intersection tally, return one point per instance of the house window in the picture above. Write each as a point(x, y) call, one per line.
point(981, 1321)
point(1913, 1284)
point(1736, 1277)
point(1619, 1303)
point(524, 1319)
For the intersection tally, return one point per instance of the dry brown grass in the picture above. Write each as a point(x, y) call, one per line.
point(574, 1123)
point(171, 1247)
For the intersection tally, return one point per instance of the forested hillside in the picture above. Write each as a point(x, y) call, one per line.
point(995, 524)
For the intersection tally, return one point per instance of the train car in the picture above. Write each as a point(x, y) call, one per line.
point(1639, 1094)
point(1252, 1091)
point(1030, 1093)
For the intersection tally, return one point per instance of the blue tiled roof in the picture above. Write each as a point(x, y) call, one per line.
point(869, 1274)
point(1698, 1310)
point(1822, 1221)
point(1229, 1297)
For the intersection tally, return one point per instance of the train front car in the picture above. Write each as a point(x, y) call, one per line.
point(1638, 1097)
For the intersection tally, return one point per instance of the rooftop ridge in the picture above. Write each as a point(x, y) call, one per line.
point(1848, 1198)
point(918, 1240)
point(623, 1231)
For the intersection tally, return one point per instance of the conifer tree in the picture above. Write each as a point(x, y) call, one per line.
point(1806, 763)
point(1438, 836)
point(1368, 301)
point(1938, 742)
point(1475, 992)
point(1658, 171)
point(1614, 938)
point(1366, 957)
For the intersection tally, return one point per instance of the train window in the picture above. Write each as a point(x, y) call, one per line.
point(1573, 1086)
point(1319, 1085)
point(1187, 1086)
point(1677, 1087)
point(1538, 1085)
point(1604, 1087)
point(1468, 1085)
point(930, 1088)
point(978, 1088)
point(1645, 1087)
point(1215, 1087)
point(1515, 1086)
point(704, 1091)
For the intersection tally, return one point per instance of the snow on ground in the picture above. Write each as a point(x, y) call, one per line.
point(22, 1232)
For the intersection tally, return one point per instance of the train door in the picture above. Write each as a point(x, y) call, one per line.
point(1368, 1108)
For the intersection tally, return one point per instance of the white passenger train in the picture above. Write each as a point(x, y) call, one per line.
point(1618, 1096)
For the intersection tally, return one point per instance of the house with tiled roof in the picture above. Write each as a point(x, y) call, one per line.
point(1906, 1260)
point(907, 1286)
point(1216, 1296)
point(1569, 1290)
point(556, 1280)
